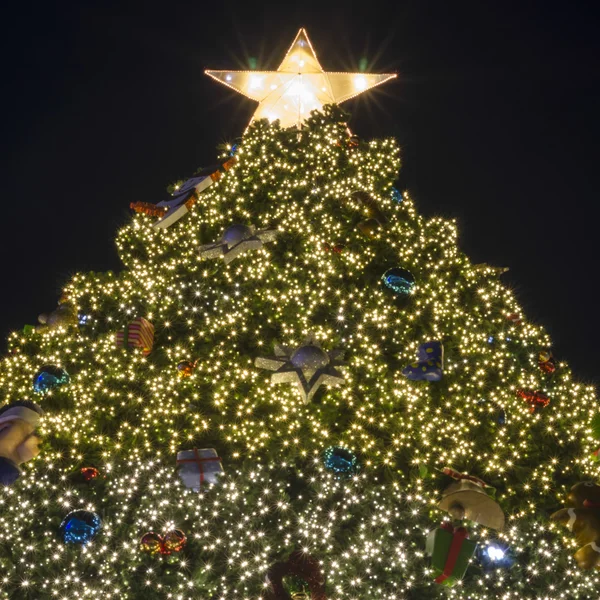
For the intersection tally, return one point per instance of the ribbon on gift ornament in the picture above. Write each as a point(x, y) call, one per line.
point(459, 535)
point(458, 476)
point(198, 460)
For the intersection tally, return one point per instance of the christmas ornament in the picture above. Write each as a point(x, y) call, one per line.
point(397, 195)
point(308, 367)
point(337, 249)
point(139, 334)
point(148, 209)
point(301, 565)
point(48, 378)
point(429, 365)
point(154, 543)
point(533, 398)
point(63, 316)
point(582, 517)
point(80, 527)
point(515, 318)
point(186, 368)
point(399, 280)
point(237, 239)
point(450, 551)
point(340, 460)
point(370, 227)
point(494, 554)
point(298, 86)
point(198, 467)
point(89, 473)
point(187, 194)
point(466, 499)
point(18, 439)
point(546, 361)
point(485, 269)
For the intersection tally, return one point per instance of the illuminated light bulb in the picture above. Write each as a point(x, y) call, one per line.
point(255, 82)
point(495, 553)
point(360, 83)
point(228, 77)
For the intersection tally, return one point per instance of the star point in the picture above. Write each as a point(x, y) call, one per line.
point(299, 85)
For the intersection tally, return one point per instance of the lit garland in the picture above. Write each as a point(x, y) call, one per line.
point(129, 415)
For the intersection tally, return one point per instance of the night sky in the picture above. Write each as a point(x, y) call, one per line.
point(496, 107)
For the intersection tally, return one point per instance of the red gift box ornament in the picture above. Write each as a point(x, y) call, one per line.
point(533, 398)
point(139, 334)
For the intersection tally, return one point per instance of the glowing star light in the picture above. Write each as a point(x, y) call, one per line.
point(298, 86)
point(308, 366)
point(235, 240)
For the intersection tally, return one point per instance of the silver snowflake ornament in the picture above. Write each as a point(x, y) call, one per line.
point(235, 240)
point(308, 367)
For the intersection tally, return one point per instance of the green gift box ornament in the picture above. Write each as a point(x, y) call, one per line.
point(450, 552)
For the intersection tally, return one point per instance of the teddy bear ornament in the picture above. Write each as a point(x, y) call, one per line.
point(18, 438)
point(582, 517)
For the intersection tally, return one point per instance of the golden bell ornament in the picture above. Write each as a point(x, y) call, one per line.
point(465, 499)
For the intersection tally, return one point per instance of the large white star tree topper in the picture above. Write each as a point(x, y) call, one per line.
point(298, 86)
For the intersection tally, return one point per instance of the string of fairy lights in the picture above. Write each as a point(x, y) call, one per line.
point(128, 415)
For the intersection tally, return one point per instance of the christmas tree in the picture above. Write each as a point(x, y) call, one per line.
point(296, 387)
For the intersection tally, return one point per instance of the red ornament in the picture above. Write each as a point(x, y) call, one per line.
point(515, 318)
point(534, 398)
point(154, 543)
point(546, 361)
point(337, 249)
point(89, 473)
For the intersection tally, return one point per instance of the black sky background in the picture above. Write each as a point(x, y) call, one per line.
point(496, 108)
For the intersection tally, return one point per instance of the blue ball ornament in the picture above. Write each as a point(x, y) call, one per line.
point(397, 195)
point(80, 526)
point(399, 280)
point(48, 378)
point(340, 460)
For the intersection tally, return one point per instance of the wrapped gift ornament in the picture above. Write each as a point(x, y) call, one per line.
point(137, 334)
point(199, 467)
point(187, 194)
point(466, 499)
point(450, 551)
point(429, 365)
